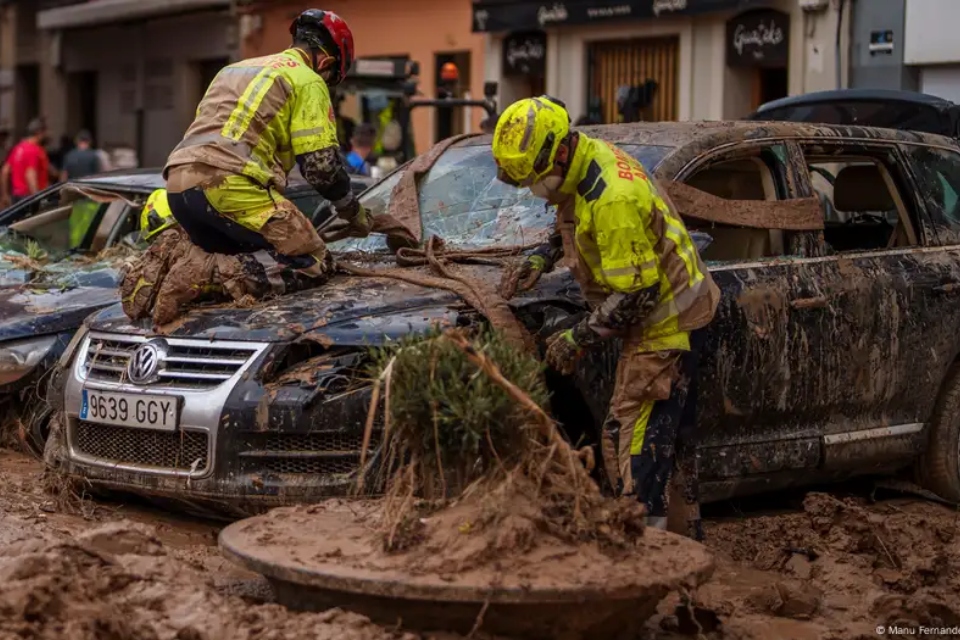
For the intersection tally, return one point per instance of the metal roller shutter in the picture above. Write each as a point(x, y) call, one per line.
point(613, 63)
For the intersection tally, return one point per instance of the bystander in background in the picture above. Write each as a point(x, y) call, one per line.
point(361, 146)
point(27, 169)
point(83, 160)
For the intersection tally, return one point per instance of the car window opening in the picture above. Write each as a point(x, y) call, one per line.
point(864, 208)
point(938, 177)
point(740, 179)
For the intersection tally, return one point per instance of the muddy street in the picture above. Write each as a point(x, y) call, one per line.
point(827, 565)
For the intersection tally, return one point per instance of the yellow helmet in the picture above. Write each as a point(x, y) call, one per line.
point(156, 215)
point(527, 137)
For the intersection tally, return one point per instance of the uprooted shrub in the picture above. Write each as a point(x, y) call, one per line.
point(465, 422)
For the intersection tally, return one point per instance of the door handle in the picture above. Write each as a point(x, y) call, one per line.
point(819, 302)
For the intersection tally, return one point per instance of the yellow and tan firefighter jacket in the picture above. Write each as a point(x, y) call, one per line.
point(627, 237)
point(257, 117)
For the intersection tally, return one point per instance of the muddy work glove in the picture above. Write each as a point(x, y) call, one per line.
point(563, 352)
point(359, 221)
point(522, 276)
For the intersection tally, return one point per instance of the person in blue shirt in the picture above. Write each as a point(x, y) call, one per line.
point(364, 137)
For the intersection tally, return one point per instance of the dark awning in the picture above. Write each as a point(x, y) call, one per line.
point(94, 12)
point(507, 15)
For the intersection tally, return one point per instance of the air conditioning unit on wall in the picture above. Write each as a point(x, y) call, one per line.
point(813, 5)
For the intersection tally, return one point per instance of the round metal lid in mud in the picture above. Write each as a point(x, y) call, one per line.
point(324, 556)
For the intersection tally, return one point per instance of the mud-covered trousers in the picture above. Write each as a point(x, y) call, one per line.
point(287, 236)
point(650, 431)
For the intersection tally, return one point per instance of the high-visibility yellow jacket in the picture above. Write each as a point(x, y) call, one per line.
point(629, 238)
point(257, 116)
point(82, 214)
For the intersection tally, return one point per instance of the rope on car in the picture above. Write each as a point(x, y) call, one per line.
point(478, 294)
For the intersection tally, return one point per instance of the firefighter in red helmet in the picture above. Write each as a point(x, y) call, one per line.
point(226, 179)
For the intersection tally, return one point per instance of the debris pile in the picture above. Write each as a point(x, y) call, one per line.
point(490, 521)
point(465, 421)
point(846, 565)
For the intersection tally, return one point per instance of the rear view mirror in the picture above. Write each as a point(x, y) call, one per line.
point(490, 89)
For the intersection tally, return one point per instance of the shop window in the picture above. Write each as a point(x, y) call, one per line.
point(636, 63)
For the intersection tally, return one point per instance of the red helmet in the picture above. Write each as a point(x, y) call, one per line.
point(327, 31)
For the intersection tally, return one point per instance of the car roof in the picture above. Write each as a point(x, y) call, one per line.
point(708, 134)
point(852, 95)
point(149, 179)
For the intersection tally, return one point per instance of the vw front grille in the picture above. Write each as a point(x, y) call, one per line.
point(321, 452)
point(182, 450)
point(189, 364)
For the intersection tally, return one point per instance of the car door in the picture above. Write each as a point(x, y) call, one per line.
point(753, 413)
point(936, 270)
point(867, 378)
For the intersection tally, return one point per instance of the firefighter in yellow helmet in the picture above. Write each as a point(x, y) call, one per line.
point(644, 280)
point(155, 217)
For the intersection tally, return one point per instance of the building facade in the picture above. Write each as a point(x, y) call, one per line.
point(931, 48)
point(877, 51)
point(430, 32)
point(709, 59)
point(133, 71)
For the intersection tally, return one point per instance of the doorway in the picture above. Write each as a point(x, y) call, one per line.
point(769, 84)
point(82, 90)
point(209, 70)
point(27, 96)
point(634, 62)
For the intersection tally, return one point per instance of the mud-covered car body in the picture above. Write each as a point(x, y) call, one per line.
point(826, 358)
point(49, 282)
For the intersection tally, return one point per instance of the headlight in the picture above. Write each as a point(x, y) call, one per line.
point(75, 341)
point(20, 357)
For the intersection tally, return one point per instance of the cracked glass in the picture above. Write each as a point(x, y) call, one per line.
point(462, 201)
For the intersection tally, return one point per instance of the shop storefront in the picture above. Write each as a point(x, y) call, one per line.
point(524, 63)
point(758, 55)
point(133, 71)
point(683, 56)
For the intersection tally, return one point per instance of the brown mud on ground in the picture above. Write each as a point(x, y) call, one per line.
point(833, 570)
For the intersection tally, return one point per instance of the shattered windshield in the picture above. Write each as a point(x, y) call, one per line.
point(462, 201)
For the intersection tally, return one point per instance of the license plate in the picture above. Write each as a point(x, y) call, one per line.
point(137, 410)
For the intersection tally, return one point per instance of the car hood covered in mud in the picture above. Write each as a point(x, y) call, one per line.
point(37, 300)
point(348, 310)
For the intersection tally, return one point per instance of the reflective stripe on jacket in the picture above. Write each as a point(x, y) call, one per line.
point(629, 238)
point(257, 116)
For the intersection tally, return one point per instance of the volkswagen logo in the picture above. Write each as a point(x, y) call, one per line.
point(146, 362)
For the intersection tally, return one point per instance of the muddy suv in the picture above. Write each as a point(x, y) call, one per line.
point(833, 353)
